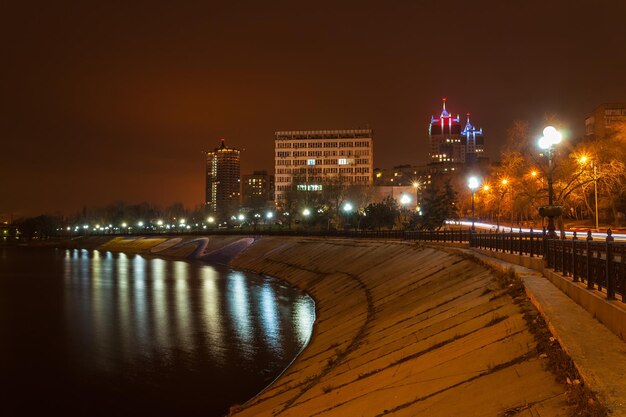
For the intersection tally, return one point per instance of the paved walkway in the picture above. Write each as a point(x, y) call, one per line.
point(599, 355)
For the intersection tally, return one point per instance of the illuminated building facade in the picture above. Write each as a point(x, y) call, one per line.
point(452, 144)
point(603, 119)
point(307, 159)
point(223, 181)
point(257, 189)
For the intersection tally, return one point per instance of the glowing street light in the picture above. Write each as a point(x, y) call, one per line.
point(583, 160)
point(347, 207)
point(405, 199)
point(551, 137)
point(473, 183)
point(211, 220)
point(306, 212)
point(417, 185)
point(241, 217)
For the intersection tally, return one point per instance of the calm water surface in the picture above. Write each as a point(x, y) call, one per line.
point(99, 334)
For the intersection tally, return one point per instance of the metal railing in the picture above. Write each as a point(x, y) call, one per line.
point(599, 264)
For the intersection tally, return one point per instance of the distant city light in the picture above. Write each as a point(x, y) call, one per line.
point(269, 215)
point(241, 217)
point(405, 199)
point(211, 219)
point(347, 207)
point(306, 212)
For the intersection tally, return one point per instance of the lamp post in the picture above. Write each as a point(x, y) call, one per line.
point(583, 160)
point(551, 137)
point(405, 200)
point(595, 192)
point(416, 185)
point(473, 184)
point(347, 209)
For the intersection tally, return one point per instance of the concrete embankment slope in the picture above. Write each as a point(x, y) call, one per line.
point(402, 330)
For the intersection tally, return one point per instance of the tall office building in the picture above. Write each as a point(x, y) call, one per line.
point(223, 181)
point(451, 143)
point(307, 159)
point(602, 120)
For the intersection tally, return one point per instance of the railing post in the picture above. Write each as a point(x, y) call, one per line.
point(545, 246)
point(532, 235)
point(589, 259)
point(610, 281)
point(574, 271)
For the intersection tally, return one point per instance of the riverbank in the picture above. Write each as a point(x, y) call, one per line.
point(402, 329)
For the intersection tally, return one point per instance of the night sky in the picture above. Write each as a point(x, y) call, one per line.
point(106, 101)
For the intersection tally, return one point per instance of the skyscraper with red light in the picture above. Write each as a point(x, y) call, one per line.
point(451, 143)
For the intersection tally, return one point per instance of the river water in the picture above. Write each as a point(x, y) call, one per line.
point(94, 333)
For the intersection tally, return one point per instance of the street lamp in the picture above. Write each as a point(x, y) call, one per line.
point(473, 183)
point(583, 160)
point(551, 137)
point(405, 199)
point(416, 185)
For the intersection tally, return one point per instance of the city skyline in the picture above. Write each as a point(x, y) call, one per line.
point(103, 102)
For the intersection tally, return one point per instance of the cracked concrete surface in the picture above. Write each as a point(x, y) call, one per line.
point(401, 330)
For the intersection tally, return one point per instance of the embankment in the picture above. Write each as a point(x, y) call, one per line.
point(401, 330)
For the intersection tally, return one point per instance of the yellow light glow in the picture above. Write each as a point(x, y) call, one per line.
point(533, 173)
point(485, 187)
point(505, 181)
point(583, 159)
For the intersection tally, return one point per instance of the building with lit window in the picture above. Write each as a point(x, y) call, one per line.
point(307, 159)
point(453, 145)
point(257, 189)
point(223, 181)
point(603, 119)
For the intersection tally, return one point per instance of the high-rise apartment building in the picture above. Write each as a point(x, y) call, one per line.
point(305, 160)
point(257, 189)
point(223, 181)
point(603, 119)
point(451, 143)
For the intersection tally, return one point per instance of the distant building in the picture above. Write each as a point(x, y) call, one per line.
point(601, 121)
point(223, 181)
point(403, 175)
point(257, 189)
point(307, 159)
point(453, 145)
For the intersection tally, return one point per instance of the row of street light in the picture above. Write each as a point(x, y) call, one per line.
point(551, 137)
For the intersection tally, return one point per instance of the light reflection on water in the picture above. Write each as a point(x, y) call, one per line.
point(165, 333)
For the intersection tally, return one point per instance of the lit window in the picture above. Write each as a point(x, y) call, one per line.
point(343, 161)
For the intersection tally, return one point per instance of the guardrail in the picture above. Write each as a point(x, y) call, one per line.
point(599, 264)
